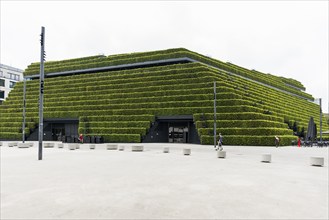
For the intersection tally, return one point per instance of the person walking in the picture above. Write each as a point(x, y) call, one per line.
point(298, 142)
point(220, 143)
point(81, 138)
point(277, 141)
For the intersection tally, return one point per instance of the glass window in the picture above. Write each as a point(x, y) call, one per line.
point(2, 82)
point(11, 84)
point(2, 94)
point(13, 76)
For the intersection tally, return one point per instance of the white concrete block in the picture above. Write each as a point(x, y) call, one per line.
point(187, 151)
point(266, 158)
point(12, 144)
point(317, 161)
point(31, 144)
point(121, 148)
point(73, 146)
point(23, 145)
point(60, 145)
point(221, 154)
point(48, 145)
point(166, 150)
point(0, 143)
point(112, 146)
point(137, 148)
point(92, 146)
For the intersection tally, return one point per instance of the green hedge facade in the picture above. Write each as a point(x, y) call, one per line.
point(121, 105)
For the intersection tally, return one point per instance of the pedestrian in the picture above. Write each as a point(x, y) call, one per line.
point(277, 141)
point(298, 142)
point(220, 143)
point(81, 138)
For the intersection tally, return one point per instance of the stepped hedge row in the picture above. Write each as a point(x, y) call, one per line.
point(120, 105)
point(177, 53)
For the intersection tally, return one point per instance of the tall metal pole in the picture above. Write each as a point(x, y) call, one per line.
point(215, 114)
point(320, 120)
point(42, 41)
point(24, 106)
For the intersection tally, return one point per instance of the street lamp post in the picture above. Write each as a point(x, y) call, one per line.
point(215, 99)
point(320, 120)
point(24, 107)
point(42, 41)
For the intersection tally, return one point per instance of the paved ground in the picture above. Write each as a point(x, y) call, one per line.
point(103, 184)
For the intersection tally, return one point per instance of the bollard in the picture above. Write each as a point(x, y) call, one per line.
point(187, 151)
point(92, 146)
point(221, 154)
point(137, 148)
point(48, 145)
point(23, 145)
point(317, 161)
point(266, 158)
point(73, 146)
point(12, 144)
point(112, 146)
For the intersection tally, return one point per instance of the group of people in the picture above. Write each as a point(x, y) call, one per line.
point(219, 145)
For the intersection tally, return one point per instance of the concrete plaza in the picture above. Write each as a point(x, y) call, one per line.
point(112, 184)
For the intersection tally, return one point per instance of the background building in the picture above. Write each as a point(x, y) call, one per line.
point(159, 96)
point(9, 76)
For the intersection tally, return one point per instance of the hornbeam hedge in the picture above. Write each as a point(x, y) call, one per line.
point(121, 105)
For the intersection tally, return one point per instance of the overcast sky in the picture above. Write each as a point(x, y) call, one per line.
point(284, 38)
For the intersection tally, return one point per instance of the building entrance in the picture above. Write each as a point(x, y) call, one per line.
point(178, 133)
point(65, 130)
point(58, 133)
point(172, 129)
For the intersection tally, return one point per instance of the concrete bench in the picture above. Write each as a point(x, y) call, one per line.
point(23, 145)
point(73, 146)
point(121, 148)
point(48, 145)
point(31, 144)
point(317, 161)
point(137, 148)
point(112, 146)
point(0, 143)
point(186, 151)
point(221, 154)
point(166, 150)
point(266, 158)
point(60, 145)
point(12, 144)
point(92, 146)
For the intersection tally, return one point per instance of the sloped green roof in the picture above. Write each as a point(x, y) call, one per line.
point(102, 61)
point(120, 105)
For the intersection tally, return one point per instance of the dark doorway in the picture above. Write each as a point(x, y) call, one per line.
point(178, 132)
point(58, 131)
point(65, 130)
point(172, 129)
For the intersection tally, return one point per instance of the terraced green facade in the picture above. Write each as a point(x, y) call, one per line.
point(123, 104)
